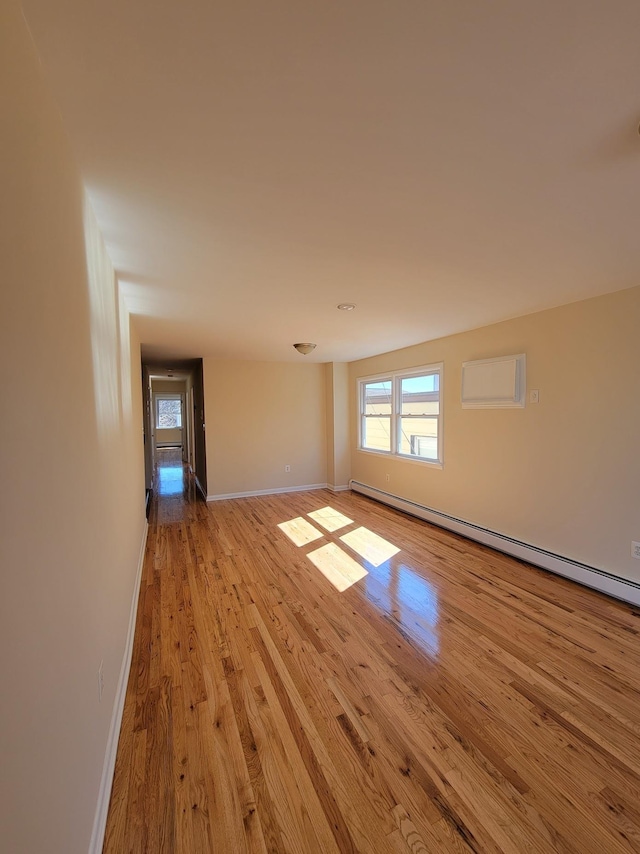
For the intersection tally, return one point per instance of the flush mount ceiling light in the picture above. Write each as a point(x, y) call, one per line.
point(346, 306)
point(305, 349)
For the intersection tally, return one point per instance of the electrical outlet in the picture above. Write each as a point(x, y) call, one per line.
point(635, 550)
point(100, 681)
point(534, 396)
point(287, 468)
point(386, 477)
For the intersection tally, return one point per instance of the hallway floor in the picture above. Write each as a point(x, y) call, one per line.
point(317, 673)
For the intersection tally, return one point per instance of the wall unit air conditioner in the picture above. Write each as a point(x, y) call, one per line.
point(494, 383)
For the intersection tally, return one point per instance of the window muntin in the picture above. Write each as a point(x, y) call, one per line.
point(400, 414)
point(168, 413)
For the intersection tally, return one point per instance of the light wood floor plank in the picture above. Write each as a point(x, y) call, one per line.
point(451, 699)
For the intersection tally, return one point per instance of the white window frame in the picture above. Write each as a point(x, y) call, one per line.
point(162, 395)
point(396, 377)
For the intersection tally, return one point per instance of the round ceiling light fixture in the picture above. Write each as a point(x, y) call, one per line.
point(346, 306)
point(305, 349)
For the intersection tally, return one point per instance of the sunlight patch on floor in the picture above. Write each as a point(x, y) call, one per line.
point(336, 566)
point(330, 519)
point(299, 531)
point(373, 548)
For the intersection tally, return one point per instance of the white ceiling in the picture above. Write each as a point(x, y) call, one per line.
point(442, 164)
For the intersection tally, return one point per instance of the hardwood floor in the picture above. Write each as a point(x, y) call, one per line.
point(452, 699)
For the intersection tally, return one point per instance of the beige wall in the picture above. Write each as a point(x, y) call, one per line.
point(337, 420)
point(72, 505)
point(564, 474)
point(169, 386)
point(261, 416)
point(168, 436)
point(329, 420)
point(342, 450)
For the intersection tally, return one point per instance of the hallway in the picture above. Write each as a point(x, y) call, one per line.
point(315, 672)
point(175, 489)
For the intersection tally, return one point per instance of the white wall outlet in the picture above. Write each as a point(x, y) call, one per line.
point(100, 681)
point(635, 550)
point(534, 395)
point(287, 468)
point(386, 477)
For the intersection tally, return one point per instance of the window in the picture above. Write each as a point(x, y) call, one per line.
point(376, 415)
point(418, 415)
point(168, 413)
point(400, 414)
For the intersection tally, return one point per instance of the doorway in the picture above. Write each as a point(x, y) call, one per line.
point(169, 421)
point(173, 394)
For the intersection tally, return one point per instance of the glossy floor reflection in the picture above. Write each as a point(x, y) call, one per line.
point(176, 496)
point(297, 688)
point(170, 480)
point(404, 595)
point(170, 471)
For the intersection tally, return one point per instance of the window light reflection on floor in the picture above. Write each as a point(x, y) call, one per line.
point(336, 566)
point(373, 548)
point(170, 480)
point(299, 531)
point(419, 601)
point(418, 593)
point(403, 594)
point(330, 519)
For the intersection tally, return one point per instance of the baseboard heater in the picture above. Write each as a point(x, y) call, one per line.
point(589, 576)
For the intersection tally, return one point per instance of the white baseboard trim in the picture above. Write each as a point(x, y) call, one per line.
point(306, 488)
point(589, 576)
point(104, 796)
point(333, 488)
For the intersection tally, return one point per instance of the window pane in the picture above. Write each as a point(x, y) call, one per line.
point(420, 395)
point(169, 414)
point(376, 433)
point(377, 398)
point(419, 437)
